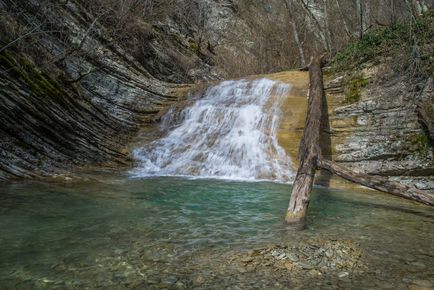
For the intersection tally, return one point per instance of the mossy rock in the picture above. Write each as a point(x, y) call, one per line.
point(194, 46)
point(419, 142)
point(40, 83)
point(353, 88)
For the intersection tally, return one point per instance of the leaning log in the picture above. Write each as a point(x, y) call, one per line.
point(309, 148)
point(314, 153)
point(377, 182)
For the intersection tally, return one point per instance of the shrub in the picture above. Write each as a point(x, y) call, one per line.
point(404, 37)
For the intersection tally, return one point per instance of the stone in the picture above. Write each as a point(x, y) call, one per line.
point(247, 259)
point(119, 276)
point(180, 285)
point(315, 273)
point(289, 266)
point(343, 274)
point(250, 268)
point(423, 283)
point(169, 280)
point(419, 265)
point(199, 280)
point(293, 257)
point(242, 269)
point(306, 266)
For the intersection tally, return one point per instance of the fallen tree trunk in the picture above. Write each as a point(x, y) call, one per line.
point(315, 149)
point(377, 182)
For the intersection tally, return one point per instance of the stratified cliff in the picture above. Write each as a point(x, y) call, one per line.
point(382, 107)
point(69, 95)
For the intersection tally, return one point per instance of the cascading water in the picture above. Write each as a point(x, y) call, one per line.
point(229, 133)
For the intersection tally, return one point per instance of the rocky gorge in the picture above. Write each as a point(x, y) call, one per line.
point(70, 111)
point(151, 144)
point(65, 102)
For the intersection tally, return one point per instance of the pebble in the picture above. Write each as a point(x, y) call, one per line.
point(315, 273)
point(423, 283)
point(250, 268)
point(306, 266)
point(385, 285)
point(293, 258)
point(119, 276)
point(343, 274)
point(169, 280)
point(199, 280)
point(242, 270)
point(180, 285)
point(289, 266)
point(418, 265)
point(246, 259)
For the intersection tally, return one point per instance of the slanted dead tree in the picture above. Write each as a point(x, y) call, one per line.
point(313, 155)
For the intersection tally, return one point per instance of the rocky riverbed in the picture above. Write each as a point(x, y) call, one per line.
point(306, 264)
point(171, 233)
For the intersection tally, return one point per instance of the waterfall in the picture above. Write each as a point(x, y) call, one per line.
point(231, 133)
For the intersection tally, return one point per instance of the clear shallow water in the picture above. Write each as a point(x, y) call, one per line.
point(122, 233)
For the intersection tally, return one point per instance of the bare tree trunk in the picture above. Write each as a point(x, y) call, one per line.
point(347, 30)
point(360, 13)
point(411, 8)
point(367, 18)
point(289, 8)
point(299, 44)
point(378, 183)
point(309, 148)
point(320, 32)
point(327, 24)
point(392, 12)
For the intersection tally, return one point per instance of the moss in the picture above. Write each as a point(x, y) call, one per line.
point(419, 142)
point(353, 88)
point(194, 46)
point(40, 83)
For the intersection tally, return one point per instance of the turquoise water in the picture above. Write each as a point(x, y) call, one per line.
point(121, 233)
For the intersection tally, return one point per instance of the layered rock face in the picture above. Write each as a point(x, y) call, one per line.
point(71, 96)
point(72, 93)
point(376, 124)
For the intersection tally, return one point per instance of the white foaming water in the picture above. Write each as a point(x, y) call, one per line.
point(230, 133)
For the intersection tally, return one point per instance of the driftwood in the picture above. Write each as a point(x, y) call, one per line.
point(315, 153)
point(378, 183)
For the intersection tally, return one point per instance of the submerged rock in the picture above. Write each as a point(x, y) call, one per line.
point(343, 274)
